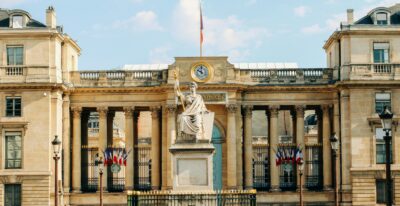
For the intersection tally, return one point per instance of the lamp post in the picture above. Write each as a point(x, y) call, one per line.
point(387, 118)
point(56, 149)
point(335, 148)
point(300, 164)
point(100, 165)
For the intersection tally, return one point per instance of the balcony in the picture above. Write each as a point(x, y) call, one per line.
point(121, 78)
point(371, 72)
point(29, 74)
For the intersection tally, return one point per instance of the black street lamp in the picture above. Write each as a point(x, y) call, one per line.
point(56, 149)
point(300, 165)
point(387, 120)
point(100, 165)
point(335, 148)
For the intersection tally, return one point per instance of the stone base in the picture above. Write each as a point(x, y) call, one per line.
point(192, 166)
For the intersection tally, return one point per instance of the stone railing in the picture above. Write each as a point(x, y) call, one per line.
point(370, 72)
point(117, 78)
point(288, 76)
point(29, 74)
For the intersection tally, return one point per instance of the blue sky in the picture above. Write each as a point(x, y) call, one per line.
point(112, 33)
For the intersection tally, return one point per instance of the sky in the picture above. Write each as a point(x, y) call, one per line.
point(112, 33)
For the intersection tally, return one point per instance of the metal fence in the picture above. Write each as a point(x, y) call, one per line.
point(142, 167)
point(115, 178)
point(313, 167)
point(261, 167)
point(214, 198)
point(287, 170)
point(89, 169)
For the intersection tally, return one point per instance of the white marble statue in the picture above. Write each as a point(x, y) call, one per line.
point(191, 122)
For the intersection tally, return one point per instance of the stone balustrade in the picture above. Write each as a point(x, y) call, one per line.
point(370, 72)
point(118, 78)
point(29, 74)
point(288, 76)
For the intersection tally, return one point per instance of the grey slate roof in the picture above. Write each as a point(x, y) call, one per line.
point(394, 15)
point(5, 19)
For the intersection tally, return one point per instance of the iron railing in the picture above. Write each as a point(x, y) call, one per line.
point(287, 170)
point(89, 169)
point(209, 198)
point(261, 167)
point(142, 167)
point(313, 167)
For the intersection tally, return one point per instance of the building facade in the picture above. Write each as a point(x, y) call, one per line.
point(260, 108)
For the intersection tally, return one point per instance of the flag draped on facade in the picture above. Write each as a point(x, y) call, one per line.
point(115, 156)
point(287, 155)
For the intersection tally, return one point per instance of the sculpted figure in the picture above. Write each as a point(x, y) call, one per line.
point(190, 122)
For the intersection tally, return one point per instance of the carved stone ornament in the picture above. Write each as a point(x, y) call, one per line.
point(232, 108)
point(274, 110)
point(170, 108)
point(102, 112)
point(248, 111)
point(76, 112)
point(128, 111)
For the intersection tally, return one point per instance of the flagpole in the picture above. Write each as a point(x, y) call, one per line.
point(201, 30)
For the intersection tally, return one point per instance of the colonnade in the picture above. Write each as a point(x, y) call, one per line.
point(164, 134)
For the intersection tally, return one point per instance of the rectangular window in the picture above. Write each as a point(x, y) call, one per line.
point(15, 55)
point(381, 194)
point(382, 100)
point(381, 19)
point(13, 106)
point(12, 195)
point(381, 52)
point(13, 150)
point(17, 22)
point(380, 147)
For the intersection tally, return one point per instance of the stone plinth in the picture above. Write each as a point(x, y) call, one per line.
point(192, 167)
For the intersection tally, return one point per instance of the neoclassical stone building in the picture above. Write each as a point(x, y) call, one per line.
point(259, 109)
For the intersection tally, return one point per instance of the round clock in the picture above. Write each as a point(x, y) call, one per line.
point(201, 72)
point(115, 168)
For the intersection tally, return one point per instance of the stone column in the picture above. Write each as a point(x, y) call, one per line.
point(66, 140)
point(248, 147)
point(102, 139)
point(164, 148)
point(273, 139)
point(294, 125)
point(300, 136)
point(171, 137)
point(231, 147)
point(155, 148)
point(129, 138)
point(76, 149)
point(326, 147)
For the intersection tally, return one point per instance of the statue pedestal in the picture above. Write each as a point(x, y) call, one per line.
point(192, 166)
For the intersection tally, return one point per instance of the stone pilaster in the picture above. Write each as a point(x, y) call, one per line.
point(248, 147)
point(171, 137)
point(76, 149)
point(231, 147)
point(102, 143)
point(129, 144)
point(155, 147)
point(66, 140)
point(326, 147)
point(273, 139)
point(300, 135)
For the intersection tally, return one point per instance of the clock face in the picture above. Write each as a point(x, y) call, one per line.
point(201, 72)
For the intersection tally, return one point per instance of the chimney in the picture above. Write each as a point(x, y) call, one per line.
point(51, 20)
point(350, 16)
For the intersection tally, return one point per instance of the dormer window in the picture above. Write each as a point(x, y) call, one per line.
point(17, 21)
point(381, 18)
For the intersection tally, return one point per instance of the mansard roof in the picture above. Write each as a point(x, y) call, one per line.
point(393, 12)
point(6, 14)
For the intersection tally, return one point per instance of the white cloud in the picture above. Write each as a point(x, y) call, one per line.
point(8, 3)
point(251, 2)
point(301, 11)
point(313, 29)
point(160, 55)
point(142, 21)
point(221, 35)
